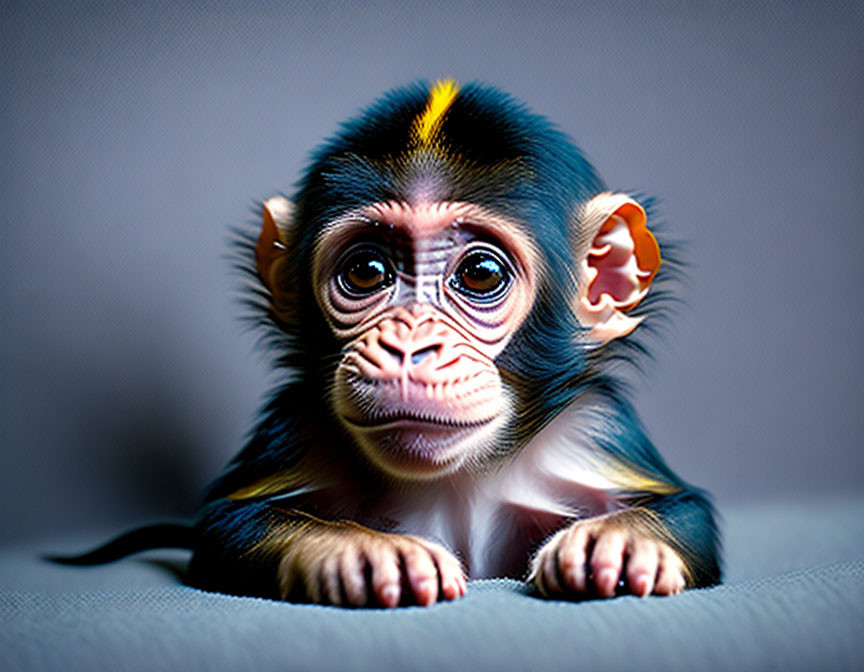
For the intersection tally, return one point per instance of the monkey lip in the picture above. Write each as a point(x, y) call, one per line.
point(416, 447)
point(415, 422)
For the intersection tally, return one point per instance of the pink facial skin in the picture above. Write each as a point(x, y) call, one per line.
point(417, 386)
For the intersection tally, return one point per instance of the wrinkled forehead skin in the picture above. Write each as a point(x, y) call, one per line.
point(444, 143)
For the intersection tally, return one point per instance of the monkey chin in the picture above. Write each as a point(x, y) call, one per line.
point(415, 449)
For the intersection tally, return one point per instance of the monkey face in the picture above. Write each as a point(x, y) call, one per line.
point(423, 298)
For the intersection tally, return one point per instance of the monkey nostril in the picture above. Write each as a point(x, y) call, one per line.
point(396, 353)
point(421, 354)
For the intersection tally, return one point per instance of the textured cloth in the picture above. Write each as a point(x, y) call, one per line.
point(793, 600)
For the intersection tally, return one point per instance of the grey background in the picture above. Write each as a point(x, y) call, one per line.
point(131, 138)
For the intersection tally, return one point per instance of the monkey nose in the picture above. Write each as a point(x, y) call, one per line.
point(419, 355)
point(396, 353)
point(402, 353)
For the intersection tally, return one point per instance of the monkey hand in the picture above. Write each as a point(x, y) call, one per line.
point(349, 565)
point(605, 556)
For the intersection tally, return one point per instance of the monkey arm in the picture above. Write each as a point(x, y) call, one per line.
point(260, 549)
point(260, 534)
point(671, 510)
point(238, 538)
point(660, 547)
point(664, 537)
point(689, 527)
point(237, 545)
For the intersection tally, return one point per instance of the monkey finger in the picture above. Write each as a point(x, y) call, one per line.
point(642, 564)
point(571, 558)
point(549, 570)
point(535, 575)
point(422, 573)
point(452, 578)
point(606, 561)
point(313, 582)
point(670, 575)
point(289, 578)
point(351, 571)
point(386, 577)
point(330, 581)
point(669, 581)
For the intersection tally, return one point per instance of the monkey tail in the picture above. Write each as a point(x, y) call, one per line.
point(165, 535)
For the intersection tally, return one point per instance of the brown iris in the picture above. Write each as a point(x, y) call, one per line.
point(365, 272)
point(481, 276)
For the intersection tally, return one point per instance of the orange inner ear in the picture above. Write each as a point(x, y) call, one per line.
point(623, 259)
point(617, 270)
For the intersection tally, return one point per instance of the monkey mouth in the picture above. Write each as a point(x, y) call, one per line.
point(418, 447)
point(374, 407)
point(410, 434)
point(432, 423)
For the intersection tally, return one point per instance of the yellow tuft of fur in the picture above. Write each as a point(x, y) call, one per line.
point(428, 124)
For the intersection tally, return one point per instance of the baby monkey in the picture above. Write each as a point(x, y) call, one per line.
point(448, 288)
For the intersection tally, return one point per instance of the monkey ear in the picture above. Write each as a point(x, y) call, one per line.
point(618, 258)
point(275, 257)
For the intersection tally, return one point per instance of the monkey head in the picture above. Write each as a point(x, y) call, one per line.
point(456, 254)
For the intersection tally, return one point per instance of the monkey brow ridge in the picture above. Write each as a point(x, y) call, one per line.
point(428, 123)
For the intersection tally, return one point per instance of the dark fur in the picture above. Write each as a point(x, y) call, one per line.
point(510, 161)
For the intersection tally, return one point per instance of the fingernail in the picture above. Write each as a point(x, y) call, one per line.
point(390, 595)
point(424, 592)
point(640, 585)
point(575, 578)
point(606, 580)
point(448, 590)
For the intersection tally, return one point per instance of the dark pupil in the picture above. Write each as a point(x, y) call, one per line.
point(481, 274)
point(365, 273)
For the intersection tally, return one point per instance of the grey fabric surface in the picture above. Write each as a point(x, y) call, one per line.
point(794, 600)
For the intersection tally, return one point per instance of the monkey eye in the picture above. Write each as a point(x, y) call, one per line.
point(364, 272)
point(481, 276)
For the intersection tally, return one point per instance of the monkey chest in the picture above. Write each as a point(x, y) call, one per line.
point(493, 536)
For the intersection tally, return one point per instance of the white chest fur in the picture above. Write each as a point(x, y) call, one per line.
point(493, 523)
